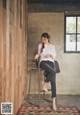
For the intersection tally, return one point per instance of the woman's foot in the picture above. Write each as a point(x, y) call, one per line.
point(54, 104)
point(44, 85)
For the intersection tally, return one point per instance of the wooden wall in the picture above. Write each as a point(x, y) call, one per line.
point(13, 51)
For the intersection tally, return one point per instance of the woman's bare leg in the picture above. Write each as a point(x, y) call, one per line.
point(54, 103)
point(45, 86)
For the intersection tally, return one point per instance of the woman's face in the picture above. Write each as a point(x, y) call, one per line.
point(44, 40)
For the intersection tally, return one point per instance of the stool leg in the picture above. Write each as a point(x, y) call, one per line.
point(39, 82)
point(44, 91)
point(29, 85)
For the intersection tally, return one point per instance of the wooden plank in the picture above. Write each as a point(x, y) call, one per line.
point(1, 49)
point(12, 53)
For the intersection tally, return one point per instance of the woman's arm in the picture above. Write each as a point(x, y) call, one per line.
point(39, 51)
point(36, 56)
point(53, 52)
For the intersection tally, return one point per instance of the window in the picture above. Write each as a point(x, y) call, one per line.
point(72, 34)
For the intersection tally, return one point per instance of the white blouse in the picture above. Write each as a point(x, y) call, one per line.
point(48, 49)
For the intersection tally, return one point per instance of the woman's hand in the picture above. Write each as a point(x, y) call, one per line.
point(36, 56)
point(48, 56)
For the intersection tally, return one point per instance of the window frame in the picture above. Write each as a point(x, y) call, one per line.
point(71, 15)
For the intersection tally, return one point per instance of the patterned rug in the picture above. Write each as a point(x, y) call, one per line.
point(34, 110)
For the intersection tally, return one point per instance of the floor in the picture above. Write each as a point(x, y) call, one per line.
point(62, 100)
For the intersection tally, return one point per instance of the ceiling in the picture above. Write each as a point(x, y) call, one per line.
point(55, 2)
point(47, 5)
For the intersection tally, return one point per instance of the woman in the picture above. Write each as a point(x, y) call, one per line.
point(47, 54)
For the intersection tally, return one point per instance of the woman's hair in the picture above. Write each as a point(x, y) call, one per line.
point(45, 35)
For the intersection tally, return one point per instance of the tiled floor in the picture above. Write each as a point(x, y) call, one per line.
point(69, 100)
point(62, 100)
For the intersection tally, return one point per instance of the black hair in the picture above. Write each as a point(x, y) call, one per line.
point(45, 35)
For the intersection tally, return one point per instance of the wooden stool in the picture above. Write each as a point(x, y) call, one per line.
point(39, 99)
point(33, 69)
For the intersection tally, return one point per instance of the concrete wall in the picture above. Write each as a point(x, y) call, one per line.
point(68, 81)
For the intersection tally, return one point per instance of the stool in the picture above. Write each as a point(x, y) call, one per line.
point(33, 69)
point(39, 99)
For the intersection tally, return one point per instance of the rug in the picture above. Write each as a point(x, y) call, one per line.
point(48, 112)
point(42, 110)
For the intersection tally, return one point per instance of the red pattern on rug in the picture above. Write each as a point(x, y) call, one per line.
point(23, 109)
